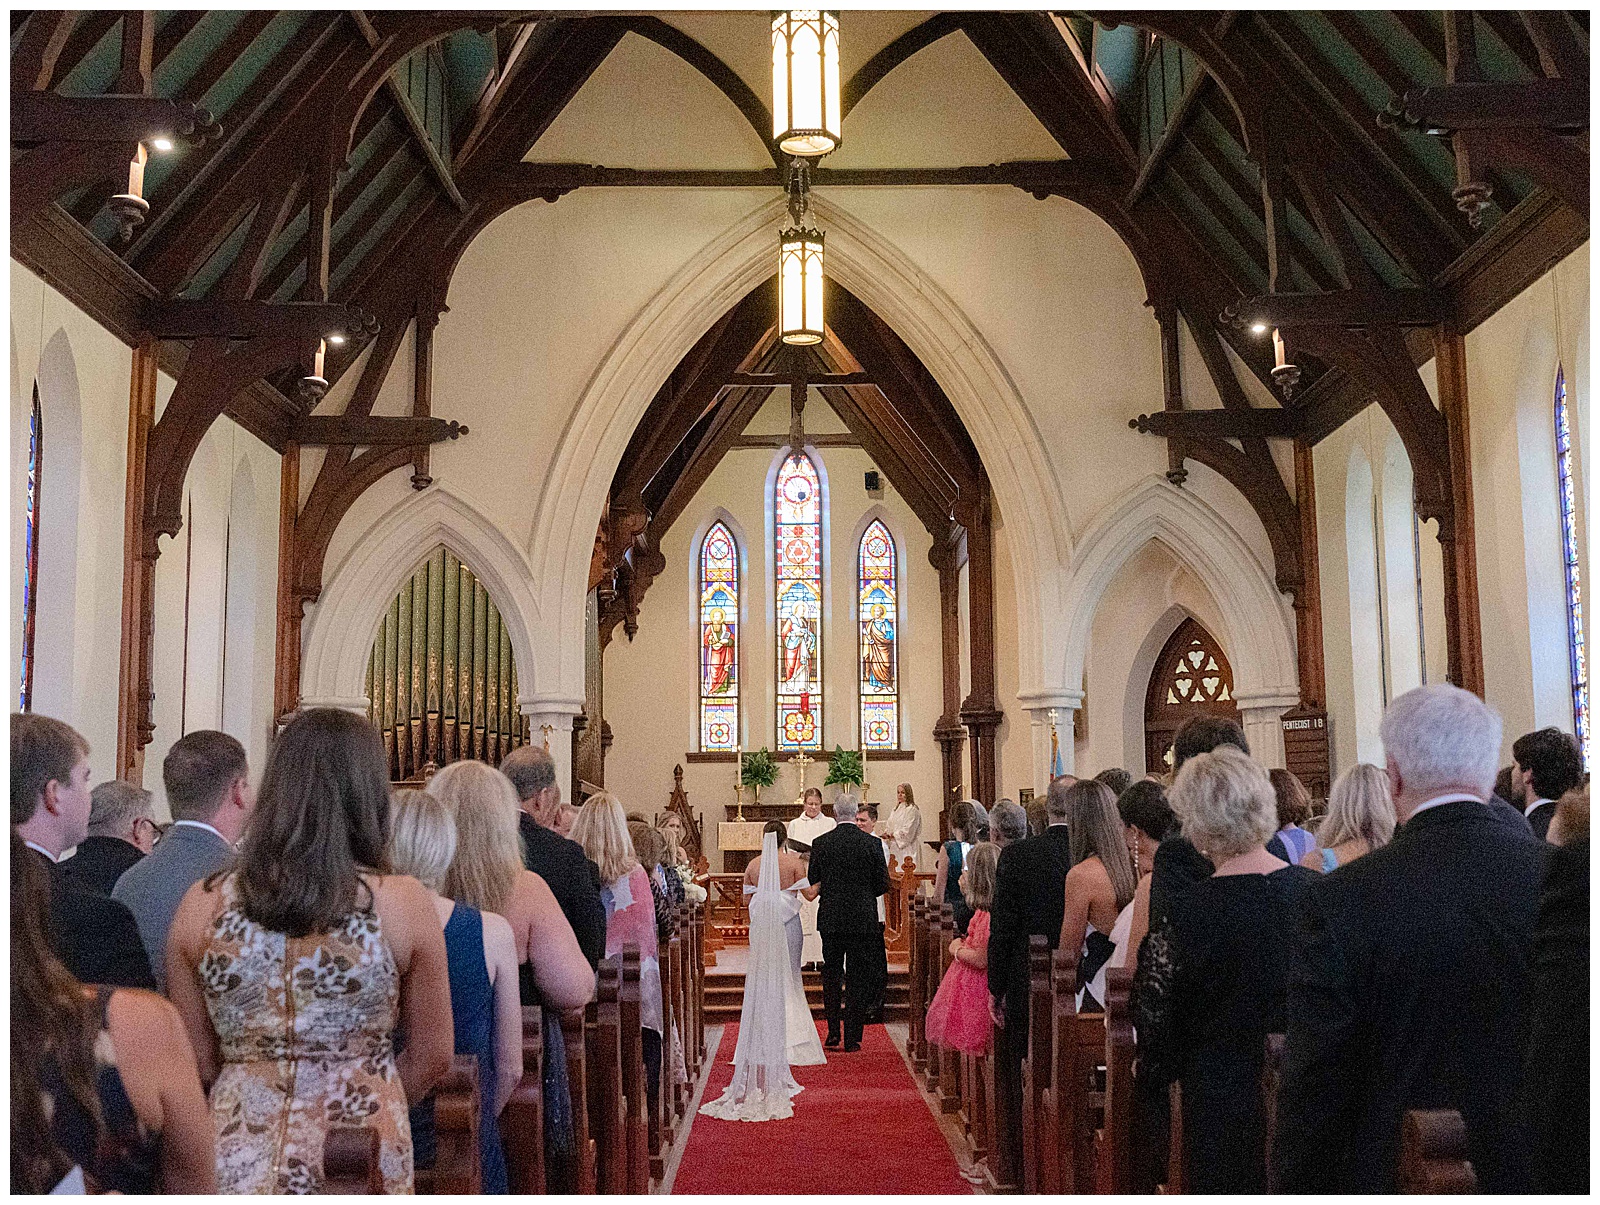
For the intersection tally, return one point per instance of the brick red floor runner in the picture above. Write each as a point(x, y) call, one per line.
point(860, 1126)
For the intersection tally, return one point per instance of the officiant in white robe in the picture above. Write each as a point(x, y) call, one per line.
point(903, 828)
point(805, 829)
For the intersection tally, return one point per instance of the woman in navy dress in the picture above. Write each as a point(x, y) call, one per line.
point(483, 981)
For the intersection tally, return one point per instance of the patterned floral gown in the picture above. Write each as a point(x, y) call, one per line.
point(305, 1026)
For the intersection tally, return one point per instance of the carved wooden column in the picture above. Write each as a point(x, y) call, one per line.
point(945, 556)
point(134, 693)
point(980, 712)
point(422, 388)
point(1457, 530)
point(1306, 747)
point(291, 602)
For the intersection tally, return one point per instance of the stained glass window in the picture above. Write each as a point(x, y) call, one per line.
point(877, 596)
point(1569, 556)
point(30, 548)
point(719, 640)
point(798, 524)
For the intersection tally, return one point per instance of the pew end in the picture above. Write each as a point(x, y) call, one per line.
point(350, 1161)
point(1433, 1153)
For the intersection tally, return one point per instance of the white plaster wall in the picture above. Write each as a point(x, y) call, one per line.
point(223, 564)
point(1511, 368)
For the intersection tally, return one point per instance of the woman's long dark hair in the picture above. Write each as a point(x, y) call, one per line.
point(50, 1018)
point(1096, 831)
point(321, 818)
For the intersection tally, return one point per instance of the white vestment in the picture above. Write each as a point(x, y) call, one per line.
point(903, 831)
point(807, 829)
point(775, 1026)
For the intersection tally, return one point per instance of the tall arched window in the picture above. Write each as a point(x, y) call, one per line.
point(719, 640)
point(797, 512)
point(877, 598)
point(1569, 557)
point(30, 547)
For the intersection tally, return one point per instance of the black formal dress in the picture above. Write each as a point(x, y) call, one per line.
point(1556, 1087)
point(95, 936)
point(1177, 864)
point(1209, 990)
point(1409, 989)
point(847, 865)
point(572, 879)
point(99, 863)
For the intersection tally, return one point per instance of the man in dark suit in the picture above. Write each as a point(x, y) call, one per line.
point(208, 789)
point(1409, 986)
point(1546, 765)
point(847, 869)
point(121, 831)
point(94, 936)
point(1556, 1088)
point(572, 878)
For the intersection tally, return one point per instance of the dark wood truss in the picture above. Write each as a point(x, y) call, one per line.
point(1376, 183)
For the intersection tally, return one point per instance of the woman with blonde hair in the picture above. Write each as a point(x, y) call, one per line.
point(1099, 885)
point(482, 955)
point(670, 826)
point(487, 873)
point(1360, 819)
point(1212, 981)
point(602, 830)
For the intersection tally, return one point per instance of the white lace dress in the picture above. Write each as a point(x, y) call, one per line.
point(775, 1026)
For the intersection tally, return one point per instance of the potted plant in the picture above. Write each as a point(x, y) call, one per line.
point(844, 768)
point(758, 770)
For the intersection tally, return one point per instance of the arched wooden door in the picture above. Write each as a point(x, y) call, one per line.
point(1191, 677)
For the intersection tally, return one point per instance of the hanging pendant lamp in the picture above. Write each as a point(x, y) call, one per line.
point(805, 82)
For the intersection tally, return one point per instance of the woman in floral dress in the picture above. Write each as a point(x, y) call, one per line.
point(300, 971)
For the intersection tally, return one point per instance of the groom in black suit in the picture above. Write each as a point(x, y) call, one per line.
point(847, 868)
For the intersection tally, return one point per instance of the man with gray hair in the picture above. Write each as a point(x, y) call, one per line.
point(849, 871)
point(572, 878)
point(121, 831)
point(1008, 823)
point(1408, 988)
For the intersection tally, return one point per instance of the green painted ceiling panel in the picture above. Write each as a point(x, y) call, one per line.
point(469, 60)
point(1116, 52)
point(378, 228)
point(221, 259)
point(191, 53)
point(1222, 243)
point(403, 165)
point(98, 70)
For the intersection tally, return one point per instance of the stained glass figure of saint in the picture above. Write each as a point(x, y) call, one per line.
point(719, 640)
point(798, 534)
point(877, 613)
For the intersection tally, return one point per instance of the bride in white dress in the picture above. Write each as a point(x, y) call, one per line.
point(775, 1026)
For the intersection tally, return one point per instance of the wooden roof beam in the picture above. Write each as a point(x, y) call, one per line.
point(367, 431)
point(1348, 308)
point(1255, 423)
point(412, 121)
point(44, 38)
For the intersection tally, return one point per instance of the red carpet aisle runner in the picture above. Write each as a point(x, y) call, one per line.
point(860, 1126)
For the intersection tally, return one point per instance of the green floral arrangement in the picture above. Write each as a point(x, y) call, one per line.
point(844, 767)
point(758, 770)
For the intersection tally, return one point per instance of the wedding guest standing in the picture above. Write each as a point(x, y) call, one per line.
point(1360, 819)
point(1291, 843)
point(1409, 985)
point(482, 957)
point(487, 873)
point(1097, 888)
point(602, 830)
point(1177, 863)
point(958, 1018)
point(1547, 764)
point(297, 972)
point(95, 937)
point(102, 1079)
point(208, 790)
point(848, 870)
point(1556, 1084)
point(121, 831)
point(1210, 986)
point(966, 818)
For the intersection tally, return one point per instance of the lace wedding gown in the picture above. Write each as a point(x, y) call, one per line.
point(775, 1026)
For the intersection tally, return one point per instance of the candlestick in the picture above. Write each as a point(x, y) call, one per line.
point(738, 796)
point(547, 729)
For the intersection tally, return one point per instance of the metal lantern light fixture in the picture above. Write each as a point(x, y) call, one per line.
point(805, 82)
point(800, 266)
point(800, 285)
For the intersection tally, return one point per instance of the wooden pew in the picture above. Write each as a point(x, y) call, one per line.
point(1074, 1102)
point(916, 1001)
point(1040, 1172)
point(949, 1063)
point(636, 1126)
point(607, 1104)
point(932, 968)
point(457, 1168)
point(1433, 1153)
point(580, 1177)
point(350, 1161)
point(1114, 1171)
point(658, 1128)
point(522, 1120)
point(697, 931)
point(1175, 1177)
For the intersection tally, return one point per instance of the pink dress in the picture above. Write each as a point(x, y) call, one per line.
point(958, 1018)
